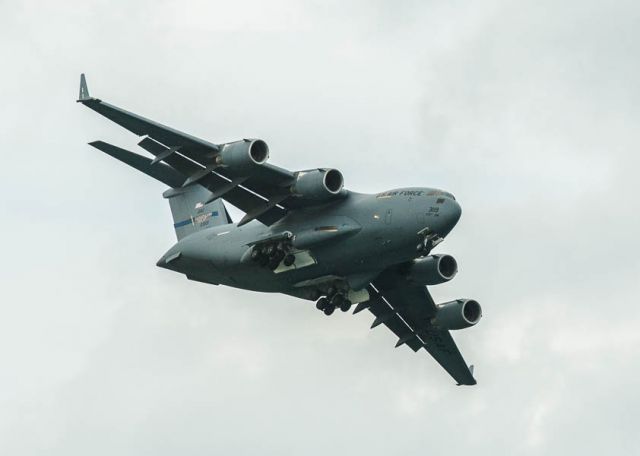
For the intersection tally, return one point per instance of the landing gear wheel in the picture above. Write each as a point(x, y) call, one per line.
point(337, 300)
point(345, 306)
point(289, 259)
point(273, 265)
point(322, 303)
point(329, 309)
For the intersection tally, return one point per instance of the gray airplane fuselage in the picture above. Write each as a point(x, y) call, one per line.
point(368, 233)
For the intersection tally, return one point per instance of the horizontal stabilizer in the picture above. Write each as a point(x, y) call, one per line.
point(160, 171)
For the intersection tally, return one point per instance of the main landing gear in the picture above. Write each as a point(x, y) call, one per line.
point(271, 255)
point(335, 299)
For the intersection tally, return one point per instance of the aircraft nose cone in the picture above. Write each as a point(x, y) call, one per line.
point(456, 211)
point(453, 213)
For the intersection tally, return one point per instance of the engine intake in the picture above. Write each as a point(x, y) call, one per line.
point(432, 270)
point(318, 184)
point(243, 156)
point(458, 314)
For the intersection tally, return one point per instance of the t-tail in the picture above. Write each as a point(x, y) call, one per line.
point(192, 213)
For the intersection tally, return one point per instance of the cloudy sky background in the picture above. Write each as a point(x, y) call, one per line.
point(526, 111)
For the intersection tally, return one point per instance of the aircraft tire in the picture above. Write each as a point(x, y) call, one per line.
point(328, 310)
point(345, 306)
point(255, 255)
point(322, 303)
point(337, 300)
point(273, 265)
point(289, 259)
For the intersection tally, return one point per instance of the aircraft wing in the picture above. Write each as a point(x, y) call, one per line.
point(407, 311)
point(192, 157)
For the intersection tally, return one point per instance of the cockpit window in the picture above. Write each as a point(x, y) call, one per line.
point(441, 192)
point(440, 201)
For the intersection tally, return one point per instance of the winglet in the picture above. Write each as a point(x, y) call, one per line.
point(84, 90)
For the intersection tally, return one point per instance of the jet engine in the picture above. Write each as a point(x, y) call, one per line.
point(432, 270)
point(318, 184)
point(242, 156)
point(458, 314)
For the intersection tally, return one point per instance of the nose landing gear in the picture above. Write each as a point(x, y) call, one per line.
point(428, 240)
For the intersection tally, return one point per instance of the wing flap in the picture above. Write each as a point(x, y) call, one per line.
point(230, 191)
point(266, 180)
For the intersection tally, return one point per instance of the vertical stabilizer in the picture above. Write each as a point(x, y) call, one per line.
point(191, 214)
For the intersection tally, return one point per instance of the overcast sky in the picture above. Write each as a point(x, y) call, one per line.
point(527, 111)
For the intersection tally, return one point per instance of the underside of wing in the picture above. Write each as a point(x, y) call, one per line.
point(387, 315)
point(409, 312)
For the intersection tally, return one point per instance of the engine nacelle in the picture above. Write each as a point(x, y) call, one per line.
point(243, 156)
point(318, 184)
point(432, 270)
point(458, 314)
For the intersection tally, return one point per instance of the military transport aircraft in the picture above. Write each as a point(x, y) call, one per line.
point(303, 233)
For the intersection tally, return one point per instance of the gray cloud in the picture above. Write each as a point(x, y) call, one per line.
point(527, 112)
